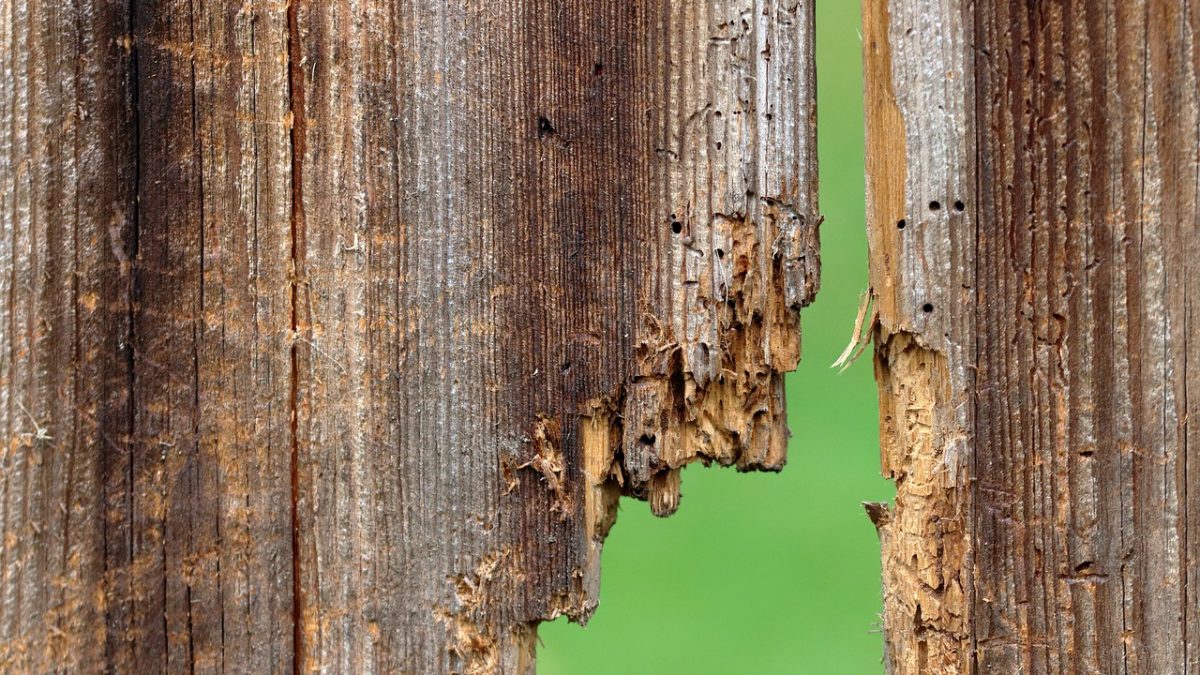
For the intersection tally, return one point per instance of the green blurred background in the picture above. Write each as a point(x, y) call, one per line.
point(767, 573)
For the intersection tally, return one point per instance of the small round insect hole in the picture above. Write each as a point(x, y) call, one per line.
point(959, 206)
point(901, 224)
point(927, 308)
point(676, 226)
point(935, 205)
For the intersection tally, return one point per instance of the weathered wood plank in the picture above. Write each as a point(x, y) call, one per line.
point(1050, 476)
point(66, 198)
point(920, 143)
point(543, 229)
point(341, 326)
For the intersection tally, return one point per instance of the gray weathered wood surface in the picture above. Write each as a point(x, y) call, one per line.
point(331, 331)
point(1032, 172)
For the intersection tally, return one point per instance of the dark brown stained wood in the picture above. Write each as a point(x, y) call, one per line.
point(332, 331)
point(1035, 331)
point(209, 511)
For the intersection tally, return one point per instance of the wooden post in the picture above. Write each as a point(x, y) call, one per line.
point(1035, 264)
point(331, 331)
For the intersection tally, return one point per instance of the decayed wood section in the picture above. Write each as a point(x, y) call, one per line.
point(1032, 179)
point(331, 331)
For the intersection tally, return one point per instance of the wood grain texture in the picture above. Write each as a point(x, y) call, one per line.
point(333, 331)
point(1043, 435)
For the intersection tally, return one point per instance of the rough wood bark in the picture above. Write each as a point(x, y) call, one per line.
point(1032, 179)
point(332, 331)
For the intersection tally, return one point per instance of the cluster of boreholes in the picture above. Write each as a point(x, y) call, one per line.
point(934, 206)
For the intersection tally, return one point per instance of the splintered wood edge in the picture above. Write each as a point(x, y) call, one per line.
point(712, 391)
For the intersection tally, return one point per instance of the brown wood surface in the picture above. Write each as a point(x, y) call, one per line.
point(331, 331)
point(1036, 336)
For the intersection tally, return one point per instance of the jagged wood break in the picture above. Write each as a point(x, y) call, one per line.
point(1032, 180)
point(333, 330)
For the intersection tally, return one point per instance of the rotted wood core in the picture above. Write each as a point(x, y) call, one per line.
point(333, 331)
